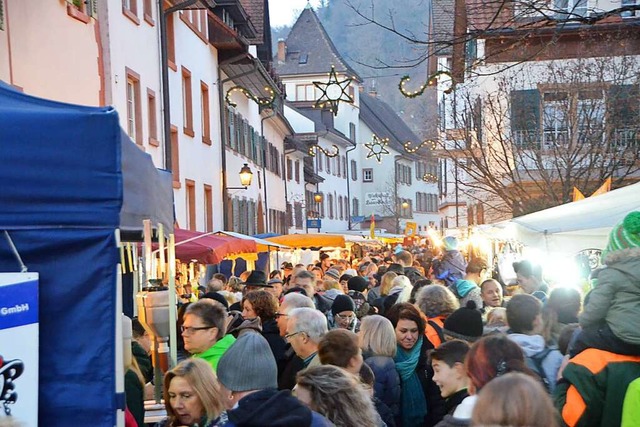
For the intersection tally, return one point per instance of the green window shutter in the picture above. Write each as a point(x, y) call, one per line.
point(471, 51)
point(623, 105)
point(525, 110)
point(92, 8)
point(477, 119)
point(1, 15)
point(238, 132)
point(232, 129)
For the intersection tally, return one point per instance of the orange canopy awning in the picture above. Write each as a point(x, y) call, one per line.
point(309, 240)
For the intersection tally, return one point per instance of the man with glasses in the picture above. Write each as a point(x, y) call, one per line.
point(305, 328)
point(343, 313)
point(291, 364)
point(203, 330)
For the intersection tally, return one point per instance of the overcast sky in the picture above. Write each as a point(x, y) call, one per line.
point(285, 12)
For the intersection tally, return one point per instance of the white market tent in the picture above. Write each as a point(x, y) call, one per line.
point(572, 227)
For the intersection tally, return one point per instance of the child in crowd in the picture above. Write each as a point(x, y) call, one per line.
point(449, 373)
point(609, 319)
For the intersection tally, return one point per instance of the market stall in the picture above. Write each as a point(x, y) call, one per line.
point(571, 227)
point(62, 192)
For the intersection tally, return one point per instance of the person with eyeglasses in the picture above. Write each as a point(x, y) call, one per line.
point(292, 364)
point(343, 314)
point(305, 329)
point(203, 330)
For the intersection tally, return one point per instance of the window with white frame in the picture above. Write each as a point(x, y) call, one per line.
point(367, 175)
point(565, 9)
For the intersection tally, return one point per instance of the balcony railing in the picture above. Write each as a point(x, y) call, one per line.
point(561, 138)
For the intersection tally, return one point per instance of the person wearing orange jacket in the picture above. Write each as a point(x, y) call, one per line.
point(592, 389)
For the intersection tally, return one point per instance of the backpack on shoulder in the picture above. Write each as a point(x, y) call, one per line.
point(535, 364)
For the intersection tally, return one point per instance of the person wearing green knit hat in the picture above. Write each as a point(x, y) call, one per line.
point(610, 318)
point(624, 235)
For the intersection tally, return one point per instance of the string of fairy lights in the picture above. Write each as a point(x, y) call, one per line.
point(262, 102)
point(315, 148)
point(332, 92)
point(432, 80)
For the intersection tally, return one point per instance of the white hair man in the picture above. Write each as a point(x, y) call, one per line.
point(305, 328)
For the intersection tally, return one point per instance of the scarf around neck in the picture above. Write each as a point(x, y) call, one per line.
point(414, 403)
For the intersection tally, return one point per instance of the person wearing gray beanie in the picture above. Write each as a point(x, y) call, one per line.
point(239, 373)
point(248, 377)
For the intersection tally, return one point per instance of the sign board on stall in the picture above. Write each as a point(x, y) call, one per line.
point(314, 223)
point(379, 198)
point(410, 229)
point(19, 332)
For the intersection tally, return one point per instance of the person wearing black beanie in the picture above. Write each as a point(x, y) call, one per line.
point(343, 313)
point(357, 283)
point(464, 324)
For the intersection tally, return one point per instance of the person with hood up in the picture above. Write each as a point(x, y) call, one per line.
point(451, 266)
point(248, 377)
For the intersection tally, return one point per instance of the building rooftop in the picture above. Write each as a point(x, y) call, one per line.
point(385, 123)
point(309, 50)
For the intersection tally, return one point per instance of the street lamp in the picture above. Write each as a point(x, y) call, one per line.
point(317, 197)
point(245, 178)
point(405, 205)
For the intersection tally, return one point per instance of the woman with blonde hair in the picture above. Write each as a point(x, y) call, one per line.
point(378, 343)
point(514, 400)
point(192, 395)
point(336, 394)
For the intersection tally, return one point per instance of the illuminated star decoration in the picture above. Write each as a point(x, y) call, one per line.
point(262, 102)
point(377, 148)
point(333, 91)
point(315, 148)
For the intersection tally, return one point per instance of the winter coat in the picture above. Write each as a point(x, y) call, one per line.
point(452, 402)
point(322, 303)
point(143, 359)
point(271, 407)
point(592, 389)
point(387, 381)
point(277, 344)
point(467, 290)
point(435, 403)
point(373, 295)
point(631, 407)
point(534, 344)
point(616, 297)
point(461, 415)
point(451, 267)
point(413, 274)
point(213, 354)
point(291, 365)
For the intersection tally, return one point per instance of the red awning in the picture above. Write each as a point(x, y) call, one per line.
point(209, 248)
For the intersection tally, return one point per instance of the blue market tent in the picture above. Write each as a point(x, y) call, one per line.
point(61, 200)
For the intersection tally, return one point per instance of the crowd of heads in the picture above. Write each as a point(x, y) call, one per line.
point(389, 339)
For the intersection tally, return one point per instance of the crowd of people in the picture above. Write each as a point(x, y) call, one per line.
point(395, 339)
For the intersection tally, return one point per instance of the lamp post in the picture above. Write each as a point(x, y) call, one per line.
point(246, 175)
point(317, 197)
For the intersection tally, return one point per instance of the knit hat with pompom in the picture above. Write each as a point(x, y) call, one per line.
point(625, 234)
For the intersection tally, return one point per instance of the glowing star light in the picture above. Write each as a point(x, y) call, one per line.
point(333, 91)
point(377, 148)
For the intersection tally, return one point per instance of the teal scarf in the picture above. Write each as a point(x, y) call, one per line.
point(414, 403)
